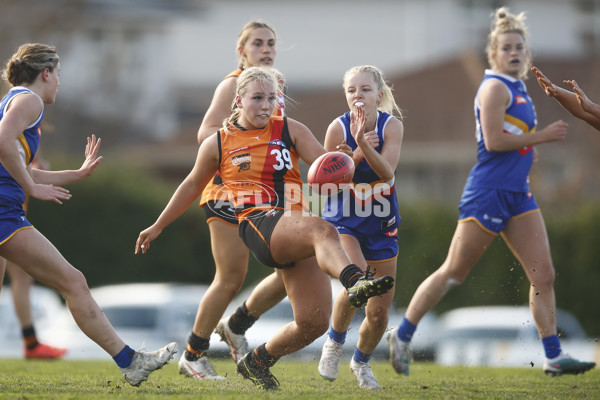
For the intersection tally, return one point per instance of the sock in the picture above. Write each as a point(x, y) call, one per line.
point(29, 337)
point(551, 346)
point(350, 275)
point(241, 320)
point(262, 357)
point(406, 330)
point(338, 337)
point(196, 347)
point(361, 357)
point(124, 358)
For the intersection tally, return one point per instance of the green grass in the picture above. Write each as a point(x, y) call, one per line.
point(21, 379)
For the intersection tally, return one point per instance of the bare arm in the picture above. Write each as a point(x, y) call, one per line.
point(219, 109)
point(207, 163)
point(92, 160)
point(494, 97)
point(23, 111)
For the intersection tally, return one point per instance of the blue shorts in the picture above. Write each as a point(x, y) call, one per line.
point(491, 209)
point(12, 219)
point(378, 247)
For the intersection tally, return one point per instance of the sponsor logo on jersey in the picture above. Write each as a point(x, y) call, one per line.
point(242, 161)
point(392, 233)
point(520, 100)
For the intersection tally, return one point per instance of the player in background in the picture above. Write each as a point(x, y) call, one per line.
point(261, 152)
point(576, 102)
point(369, 231)
point(496, 199)
point(20, 290)
point(256, 45)
point(33, 72)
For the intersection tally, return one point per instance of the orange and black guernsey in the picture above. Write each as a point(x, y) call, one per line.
point(212, 188)
point(259, 169)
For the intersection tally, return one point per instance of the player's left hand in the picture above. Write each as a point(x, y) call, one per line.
point(146, 236)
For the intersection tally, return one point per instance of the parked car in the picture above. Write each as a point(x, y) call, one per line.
point(143, 314)
point(46, 306)
point(504, 336)
point(282, 313)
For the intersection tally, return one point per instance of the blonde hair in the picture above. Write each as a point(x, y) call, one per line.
point(266, 75)
point(388, 103)
point(244, 35)
point(505, 22)
point(28, 62)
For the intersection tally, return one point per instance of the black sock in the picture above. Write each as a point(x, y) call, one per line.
point(241, 320)
point(350, 275)
point(262, 356)
point(196, 347)
point(29, 337)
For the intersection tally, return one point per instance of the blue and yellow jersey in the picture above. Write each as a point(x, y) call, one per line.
point(507, 170)
point(27, 144)
point(368, 205)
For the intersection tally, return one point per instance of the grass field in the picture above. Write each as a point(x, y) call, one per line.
point(21, 379)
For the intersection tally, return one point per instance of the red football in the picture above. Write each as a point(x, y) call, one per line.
point(330, 172)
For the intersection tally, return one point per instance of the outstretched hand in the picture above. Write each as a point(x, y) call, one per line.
point(92, 160)
point(546, 84)
point(357, 125)
point(49, 192)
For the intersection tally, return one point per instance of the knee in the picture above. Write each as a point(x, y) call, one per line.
point(74, 284)
point(327, 232)
point(313, 327)
point(544, 279)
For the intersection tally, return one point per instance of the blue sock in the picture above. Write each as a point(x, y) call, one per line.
point(551, 346)
point(406, 330)
point(338, 337)
point(124, 358)
point(361, 357)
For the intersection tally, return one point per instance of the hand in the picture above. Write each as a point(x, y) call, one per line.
point(583, 100)
point(92, 160)
point(556, 131)
point(372, 138)
point(344, 148)
point(49, 192)
point(146, 236)
point(545, 83)
point(357, 125)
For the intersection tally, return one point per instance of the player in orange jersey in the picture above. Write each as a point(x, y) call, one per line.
point(257, 157)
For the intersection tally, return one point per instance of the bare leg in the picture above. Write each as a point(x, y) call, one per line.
point(469, 243)
point(312, 236)
point(527, 239)
point(266, 294)
point(20, 285)
point(231, 261)
point(342, 312)
point(30, 250)
point(309, 291)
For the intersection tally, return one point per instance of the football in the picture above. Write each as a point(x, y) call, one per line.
point(331, 172)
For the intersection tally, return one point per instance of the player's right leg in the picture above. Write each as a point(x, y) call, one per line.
point(231, 261)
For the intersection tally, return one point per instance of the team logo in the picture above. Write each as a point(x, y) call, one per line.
point(520, 100)
point(242, 161)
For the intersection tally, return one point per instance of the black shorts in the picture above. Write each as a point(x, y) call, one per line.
point(220, 210)
point(256, 230)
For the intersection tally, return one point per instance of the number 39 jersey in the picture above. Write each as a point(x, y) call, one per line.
point(259, 169)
